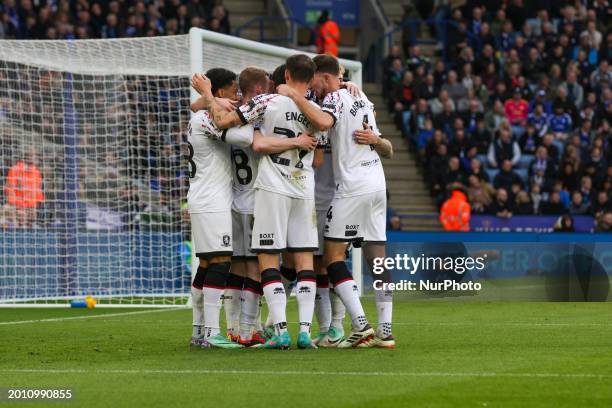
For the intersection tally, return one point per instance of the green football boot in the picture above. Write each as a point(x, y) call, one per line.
point(304, 341)
point(220, 341)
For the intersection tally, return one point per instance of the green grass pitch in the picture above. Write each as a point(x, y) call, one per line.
point(455, 354)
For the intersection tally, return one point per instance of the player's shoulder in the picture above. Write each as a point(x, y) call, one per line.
point(264, 98)
point(201, 118)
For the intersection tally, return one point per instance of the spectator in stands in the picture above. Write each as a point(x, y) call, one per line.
point(328, 35)
point(480, 194)
point(501, 206)
point(459, 144)
point(109, 19)
point(565, 223)
point(516, 110)
point(542, 169)
point(446, 118)
point(604, 223)
point(578, 206)
point(438, 168)
point(507, 177)
point(424, 135)
point(455, 89)
point(560, 123)
point(574, 90)
point(504, 148)
point(24, 189)
point(420, 118)
point(455, 213)
point(553, 206)
point(438, 104)
point(553, 150)
point(453, 174)
point(495, 117)
point(403, 101)
point(477, 170)
point(602, 204)
point(524, 206)
point(433, 145)
point(480, 136)
point(530, 140)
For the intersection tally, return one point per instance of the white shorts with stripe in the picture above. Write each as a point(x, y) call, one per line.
point(212, 234)
point(357, 218)
point(283, 223)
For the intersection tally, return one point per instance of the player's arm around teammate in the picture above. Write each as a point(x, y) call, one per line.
point(368, 137)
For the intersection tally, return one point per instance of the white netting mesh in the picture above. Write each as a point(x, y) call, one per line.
point(160, 56)
point(97, 127)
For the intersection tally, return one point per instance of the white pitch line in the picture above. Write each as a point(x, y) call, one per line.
point(61, 319)
point(458, 324)
point(316, 373)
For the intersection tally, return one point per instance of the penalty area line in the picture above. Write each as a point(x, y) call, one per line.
point(96, 316)
point(319, 373)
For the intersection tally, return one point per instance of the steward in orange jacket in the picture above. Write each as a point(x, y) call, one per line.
point(328, 35)
point(455, 212)
point(23, 186)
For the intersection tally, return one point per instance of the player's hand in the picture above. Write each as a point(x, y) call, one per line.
point(306, 142)
point(366, 136)
point(228, 104)
point(352, 88)
point(201, 83)
point(285, 90)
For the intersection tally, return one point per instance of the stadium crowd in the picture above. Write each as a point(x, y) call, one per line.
point(519, 113)
point(81, 19)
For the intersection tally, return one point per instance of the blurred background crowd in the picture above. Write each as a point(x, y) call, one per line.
point(518, 115)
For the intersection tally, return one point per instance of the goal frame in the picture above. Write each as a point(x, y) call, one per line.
point(197, 38)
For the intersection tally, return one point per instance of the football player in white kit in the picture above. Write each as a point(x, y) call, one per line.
point(210, 198)
point(358, 211)
point(285, 216)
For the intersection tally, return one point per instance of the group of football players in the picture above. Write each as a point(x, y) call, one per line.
point(279, 187)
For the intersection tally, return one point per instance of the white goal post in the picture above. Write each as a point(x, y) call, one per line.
point(98, 128)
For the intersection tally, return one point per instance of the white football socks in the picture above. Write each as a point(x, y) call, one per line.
point(306, 291)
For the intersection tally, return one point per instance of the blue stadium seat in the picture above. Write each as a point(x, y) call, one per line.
point(483, 159)
point(560, 146)
point(492, 173)
point(525, 161)
point(524, 173)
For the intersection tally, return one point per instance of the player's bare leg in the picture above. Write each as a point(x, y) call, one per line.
point(306, 290)
point(346, 288)
point(197, 301)
point(384, 299)
point(251, 305)
point(232, 298)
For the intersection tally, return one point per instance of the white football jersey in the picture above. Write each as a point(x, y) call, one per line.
point(325, 186)
point(210, 169)
point(289, 173)
point(357, 168)
point(244, 164)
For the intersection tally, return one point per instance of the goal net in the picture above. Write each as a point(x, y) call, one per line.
point(94, 169)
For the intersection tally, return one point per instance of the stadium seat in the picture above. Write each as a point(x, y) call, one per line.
point(492, 173)
point(526, 159)
point(483, 159)
point(524, 173)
